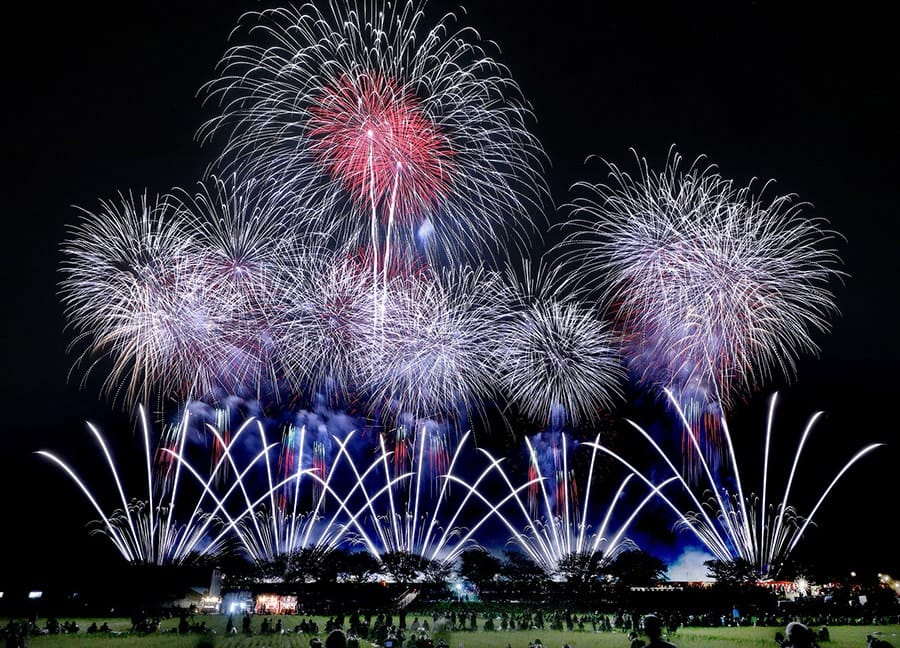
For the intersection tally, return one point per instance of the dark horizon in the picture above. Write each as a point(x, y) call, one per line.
point(106, 100)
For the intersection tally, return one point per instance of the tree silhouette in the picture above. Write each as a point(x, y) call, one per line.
point(581, 567)
point(405, 567)
point(479, 567)
point(637, 568)
point(732, 573)
point(355, 566)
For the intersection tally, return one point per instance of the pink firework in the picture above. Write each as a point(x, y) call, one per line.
point(374, 137)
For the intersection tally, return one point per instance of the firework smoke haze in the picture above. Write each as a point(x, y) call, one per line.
point(386, 127)
point(715, 289)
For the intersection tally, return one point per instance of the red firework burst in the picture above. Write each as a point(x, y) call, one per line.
point(375, 136)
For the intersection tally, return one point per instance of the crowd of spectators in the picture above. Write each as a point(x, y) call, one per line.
point(414, 629)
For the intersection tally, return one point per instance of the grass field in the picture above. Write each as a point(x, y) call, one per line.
point(841, 637)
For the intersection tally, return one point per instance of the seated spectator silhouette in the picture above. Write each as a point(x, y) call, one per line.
point(653, 627)
point(796, 635)
point(874, 641)
point(336, 639)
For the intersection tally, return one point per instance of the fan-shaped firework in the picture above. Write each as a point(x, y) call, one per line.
point(556, 525)
point(262, 506)
point(391, 128)
point(315, 498)
point(558, 360)
point(418, 513)
point(714, 288)
point(730, 524)
point(147, 531)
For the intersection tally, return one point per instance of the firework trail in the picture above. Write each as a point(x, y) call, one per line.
point(146, 530)
point(715, 289)
point(730, 524)
point(394, 131)
point(558, 362)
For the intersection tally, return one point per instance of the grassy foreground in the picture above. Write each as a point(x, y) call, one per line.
point(841, 637)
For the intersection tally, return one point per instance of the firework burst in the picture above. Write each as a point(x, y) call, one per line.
point(391, 129)
point(239, 243)
point(131, 295)
point(374, 136)
point(326, 320)
point(177, 293)
point(558, 361)
point(715, 289)
point(433, 356)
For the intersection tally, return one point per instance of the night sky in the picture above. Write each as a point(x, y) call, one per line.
point(104, 99)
